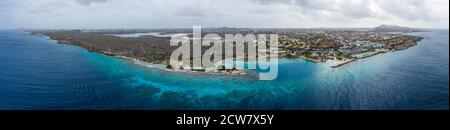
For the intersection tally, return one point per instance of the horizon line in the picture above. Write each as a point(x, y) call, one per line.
point(212, 27)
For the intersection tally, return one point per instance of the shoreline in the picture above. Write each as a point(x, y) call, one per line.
point(357, 58)
point(163, 67)
point(161, 63)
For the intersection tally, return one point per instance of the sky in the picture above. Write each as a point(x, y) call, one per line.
point(100, 14)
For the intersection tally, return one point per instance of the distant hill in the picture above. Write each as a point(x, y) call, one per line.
point(395, 28)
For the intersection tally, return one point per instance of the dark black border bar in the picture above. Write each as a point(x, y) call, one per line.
point(149, 119)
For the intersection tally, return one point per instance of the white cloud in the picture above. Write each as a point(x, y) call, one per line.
point(407, 9)
point(88, 2)
point(213, 13)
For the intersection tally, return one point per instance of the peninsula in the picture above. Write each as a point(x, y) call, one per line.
point(316, 45)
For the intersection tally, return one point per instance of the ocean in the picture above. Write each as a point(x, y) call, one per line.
point(37, 73)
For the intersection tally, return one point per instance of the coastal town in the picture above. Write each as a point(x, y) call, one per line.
point(315, 45)
point(347, 46)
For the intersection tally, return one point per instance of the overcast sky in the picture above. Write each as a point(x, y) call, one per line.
point(72, 14)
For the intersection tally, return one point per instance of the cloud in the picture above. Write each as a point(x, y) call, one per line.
point(316, 4)
point(212, 13)
point(269, 2)
point(88, 2)
point(407, 9)
point(356, 9)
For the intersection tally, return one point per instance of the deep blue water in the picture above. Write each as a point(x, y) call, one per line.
point(37, 73)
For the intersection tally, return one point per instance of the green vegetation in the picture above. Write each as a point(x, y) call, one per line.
point(169, 66)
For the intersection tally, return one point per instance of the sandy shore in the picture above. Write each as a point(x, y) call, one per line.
point(164, 67)
point(361, 56)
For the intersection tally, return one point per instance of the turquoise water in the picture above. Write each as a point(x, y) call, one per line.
point(37, 73)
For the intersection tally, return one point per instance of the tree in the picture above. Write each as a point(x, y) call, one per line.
point(169, 66)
